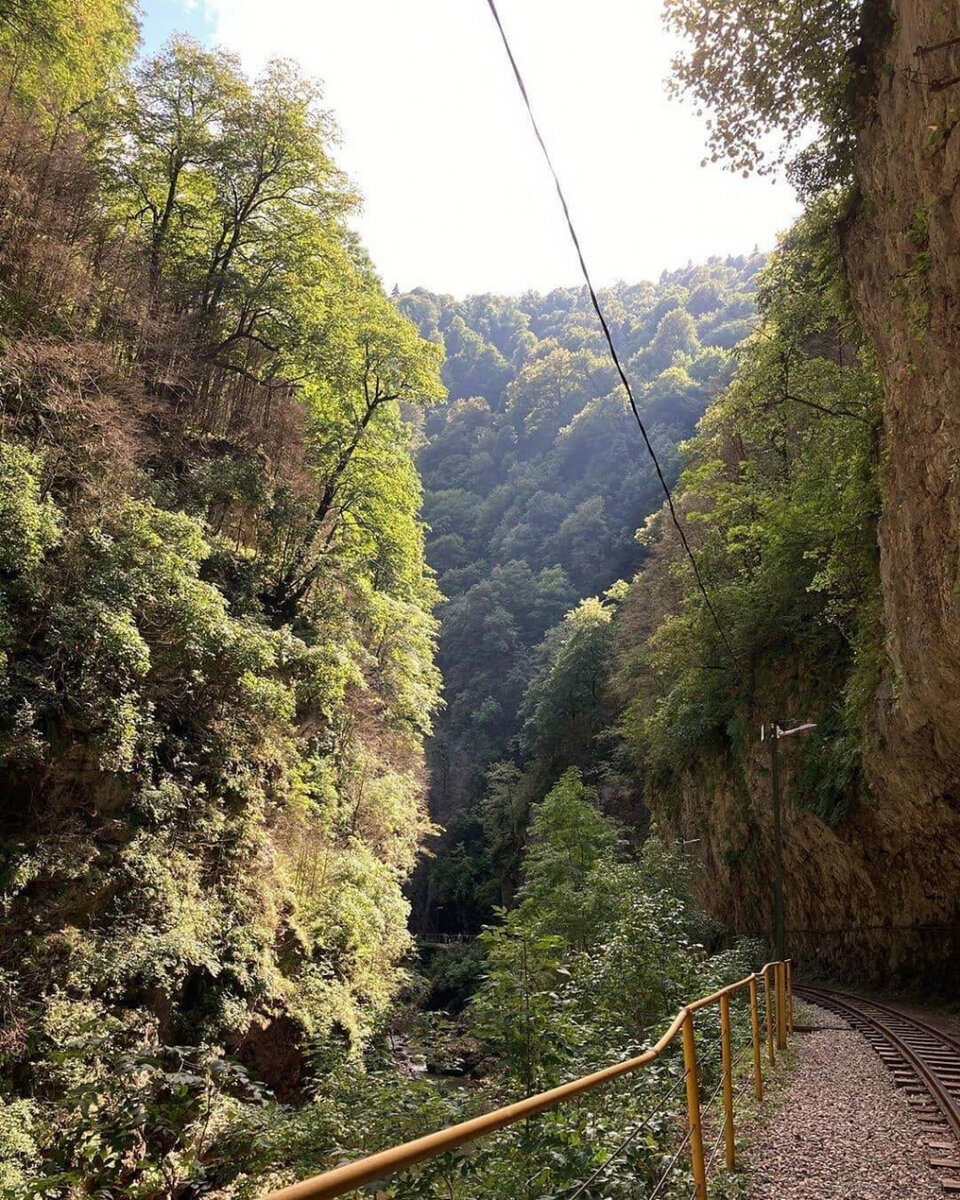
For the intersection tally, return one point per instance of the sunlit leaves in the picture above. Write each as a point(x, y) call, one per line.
point(60, 54)
point(780, 494)
point(770, 75)
point(216, 636)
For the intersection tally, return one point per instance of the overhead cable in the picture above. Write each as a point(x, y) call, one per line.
point(598, 309)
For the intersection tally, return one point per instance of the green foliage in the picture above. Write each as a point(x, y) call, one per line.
point(453, 974)
point(588, 968)
point(596, 955)
point(59, 54)
point(780, 487)
point(763, 70)
point(28, 521)
point(561, 996)
point(568, 839)
point(19, 1151)
point(216, 636)
point(565, 700)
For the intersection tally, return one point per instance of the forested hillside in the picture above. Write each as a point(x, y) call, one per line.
point(217, 640)
point(322, 609)
point(535, 484)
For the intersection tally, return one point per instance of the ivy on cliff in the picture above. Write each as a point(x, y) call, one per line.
point(780, 494)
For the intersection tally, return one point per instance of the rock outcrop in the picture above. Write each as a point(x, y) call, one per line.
point(902, 254)
point(879, 892)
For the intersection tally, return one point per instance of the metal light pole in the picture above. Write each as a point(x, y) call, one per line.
point(779, 922)
point(774, 732)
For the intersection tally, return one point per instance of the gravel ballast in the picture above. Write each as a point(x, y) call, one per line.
point(842, 1131)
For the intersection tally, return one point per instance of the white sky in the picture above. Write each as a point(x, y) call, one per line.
point(457, 197)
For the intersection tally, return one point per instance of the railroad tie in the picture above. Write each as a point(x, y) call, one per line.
point(924, 1062)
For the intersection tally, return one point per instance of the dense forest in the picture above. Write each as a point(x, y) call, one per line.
point(217, 630)
point(536, 483)
point(330, 618)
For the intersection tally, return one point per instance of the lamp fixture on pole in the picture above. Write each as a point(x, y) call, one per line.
point(773, 733)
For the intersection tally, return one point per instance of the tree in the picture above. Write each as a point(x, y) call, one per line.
point(384, 363)
point(762, 70)
point(569, 839)
point(676, 335)
point(62, 54)
point(564, 703)
point(168, 127)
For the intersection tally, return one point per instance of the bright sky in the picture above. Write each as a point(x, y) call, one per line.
point(456, 195)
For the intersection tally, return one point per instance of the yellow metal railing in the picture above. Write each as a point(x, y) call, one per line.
point(777, 981)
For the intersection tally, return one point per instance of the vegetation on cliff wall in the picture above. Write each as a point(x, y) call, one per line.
point(823, 491)
point(216, 641)
point(779, 490)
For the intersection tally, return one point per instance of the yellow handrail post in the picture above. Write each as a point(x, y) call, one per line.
point(768, 1005)
point(726, 1056)
point(755, 1035)
point(781, 1005)
point(790, 995)
point(693, 1109)
point(339, 1181)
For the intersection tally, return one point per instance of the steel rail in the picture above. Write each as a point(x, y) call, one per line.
point(853, 1006)
point(933, 1030)
point(350, 1176)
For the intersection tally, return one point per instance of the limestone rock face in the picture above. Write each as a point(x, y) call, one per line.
point(902, 251)
point(894, 862)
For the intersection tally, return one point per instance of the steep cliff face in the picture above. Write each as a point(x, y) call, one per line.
point(902, 253)
point(877, 894)
point(873, 898)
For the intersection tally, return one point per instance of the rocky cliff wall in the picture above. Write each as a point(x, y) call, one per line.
point(873, 898)
point(902, 253)
point(880, 891)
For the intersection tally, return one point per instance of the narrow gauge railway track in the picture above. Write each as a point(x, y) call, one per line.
point(925, 1062)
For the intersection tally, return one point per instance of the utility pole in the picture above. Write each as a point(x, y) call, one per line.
point(779, 923)
point(774, 732)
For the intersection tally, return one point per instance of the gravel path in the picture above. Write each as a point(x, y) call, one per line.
point(842, 1130)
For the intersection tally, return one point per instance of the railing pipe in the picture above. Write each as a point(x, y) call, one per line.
point(726, 1058)
point(697, 1161)
point(375, 1166)
point(353, 1175)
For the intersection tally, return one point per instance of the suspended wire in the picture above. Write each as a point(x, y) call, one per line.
point(723, 1128)
point(609, 340)
point(716, 1149)
point(662, 1182)
point(634, 1133)
point(733, 1067)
